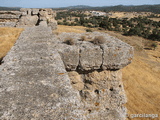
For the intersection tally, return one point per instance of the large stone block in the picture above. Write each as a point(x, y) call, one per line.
point(70, 56)
point(53, 25)
point(28, 21)
point(10, 24)
point(26, 11)
point(9, 16)
point(116, 57)
point(35, 11)
point(42, 12)
point(90, 56)
point(16, 14)
point(43, 23)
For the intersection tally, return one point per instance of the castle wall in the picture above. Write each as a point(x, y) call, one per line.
point(27, 17)
point(44, 77)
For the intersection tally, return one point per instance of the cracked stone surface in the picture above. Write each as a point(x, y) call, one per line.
point(34, 83)
point(44, 78)
point(112, 55)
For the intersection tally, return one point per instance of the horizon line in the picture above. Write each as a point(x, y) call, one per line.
point(81, 5)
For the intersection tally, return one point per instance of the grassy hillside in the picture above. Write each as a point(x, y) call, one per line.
point(76, 29)
point(140, 8)
point(141, 84)
point(8, 36)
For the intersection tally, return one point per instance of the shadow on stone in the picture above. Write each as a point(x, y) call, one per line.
point(1, 61)
point(80, 71)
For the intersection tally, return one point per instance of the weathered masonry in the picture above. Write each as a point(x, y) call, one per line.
point(43, 78)
point(28, 17)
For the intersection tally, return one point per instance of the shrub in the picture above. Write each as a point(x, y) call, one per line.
point(99, 40)
point(66, 23)
point(83, 38)
point(69, 41)
point(48, 21)
point(89, 30)
point(100, 28)
point(154, 45)
point(56, 33)
point(150, 45)
point(60, 23)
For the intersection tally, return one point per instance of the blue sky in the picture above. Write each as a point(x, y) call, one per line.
point(64, 3)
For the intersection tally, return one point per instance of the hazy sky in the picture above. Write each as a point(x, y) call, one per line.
point(64, 3)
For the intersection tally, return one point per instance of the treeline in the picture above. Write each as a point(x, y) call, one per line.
point(141, 8)
point(120, 8)
point(9, 8)
point(140, 26)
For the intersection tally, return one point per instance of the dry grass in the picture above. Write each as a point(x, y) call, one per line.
point(83, 38)
point(8, 36)
point(126, 14)
point(75, 29)
point(141, 83)
point(155, 19)
point(99, 40)
point(154, 55)
point(69, 41)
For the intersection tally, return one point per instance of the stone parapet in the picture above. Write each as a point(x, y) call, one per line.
point(43, 77)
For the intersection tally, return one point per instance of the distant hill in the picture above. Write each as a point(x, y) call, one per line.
point(121, 8)
point(141, 8)
point(79, 7)
point(9, 8)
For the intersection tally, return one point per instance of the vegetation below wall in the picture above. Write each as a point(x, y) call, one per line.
point(140, 26)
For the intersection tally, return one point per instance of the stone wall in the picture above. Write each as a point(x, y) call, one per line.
point(44, 77)
point(28, 17)
point(9, 18)
point(95, 73)
point(10, 14)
